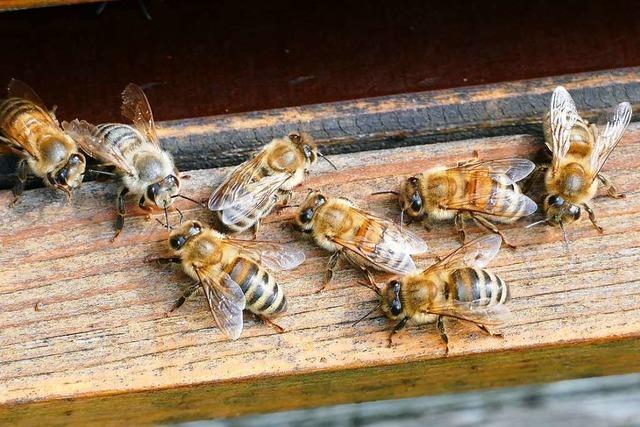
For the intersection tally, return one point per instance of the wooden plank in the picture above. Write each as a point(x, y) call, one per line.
point(101, 329)
point(7, 5)
point(391, 121)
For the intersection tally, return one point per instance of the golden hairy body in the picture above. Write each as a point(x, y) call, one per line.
point(363, 239)
point(35, 135)
point(253, 189)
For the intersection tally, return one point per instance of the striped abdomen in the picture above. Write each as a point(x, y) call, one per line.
point(501, 200)
point(471, 284)
point(126, 138)
point(263, 294)
point(19, 118)
point(239, 218)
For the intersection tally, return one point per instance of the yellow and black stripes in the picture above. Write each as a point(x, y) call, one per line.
point(472, 284)
point(124, 137)
point(263, 295)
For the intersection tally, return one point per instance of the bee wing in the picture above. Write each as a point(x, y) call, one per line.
point(19, 89)
point(476, 253)
point(390, 251)
point(513, 169)
point(226, 301)
point(475, 311)
point(503, 203)
point(563, 115)
point(275, 256)
point(609, 137)
point(86, 136)
point(135, 107)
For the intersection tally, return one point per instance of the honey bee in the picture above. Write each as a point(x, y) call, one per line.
point(234, 274)
point(144, 168)
point(458, 286)
point(254, 188)
point(484, 191)
point(579, 151)
point(366, 241)
point(34, 134)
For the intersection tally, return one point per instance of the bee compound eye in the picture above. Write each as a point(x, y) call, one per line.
point(416, 202)
point(413, 180)
point(294, 137)
point(177, 242)
point(320, 200)
point(575, 212)
point(152, 191)
point(555, 200)
point(306, 216)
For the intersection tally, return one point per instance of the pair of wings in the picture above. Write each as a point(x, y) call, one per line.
point(135, 107)
point(19, 89)
point(241, 193)
point(477, 253)
point(225, 297)
point(500, 203)
point(563, 116)
point(394, 244)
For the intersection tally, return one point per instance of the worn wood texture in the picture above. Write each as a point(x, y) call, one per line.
point(385, 122)
point(6, 5)
point(84, 319)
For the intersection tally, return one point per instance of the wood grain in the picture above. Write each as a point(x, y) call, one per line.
point(100, 327)
point(386, 122)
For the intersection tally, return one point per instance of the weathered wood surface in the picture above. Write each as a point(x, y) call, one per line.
point(7, 5)
point(100, 326)
point(390, 121)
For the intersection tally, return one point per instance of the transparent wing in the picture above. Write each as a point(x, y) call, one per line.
point(563, 115)
point(86, 136)
point(502, 203)
point(609, 137)
point(507, 170)
point(475, 311)
point(476, 253)
point(226, 302)
point(135, 107)
point(385, 245)
point(19, 89)
point(273, 255)
point(235, 185)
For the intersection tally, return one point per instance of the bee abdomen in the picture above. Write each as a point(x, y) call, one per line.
point(14, 109)
point(262, 293)
point(237, 219)
point(126, 138)
point(472, 284)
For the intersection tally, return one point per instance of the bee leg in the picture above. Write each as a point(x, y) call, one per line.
point(162, 260)
point(473, 160)
point(395, 330)
point(443, 334)
point(22, 178)
point(484, 329)
point(592, 217)
point(254, 229)
point(489, 226)
point(458, 221)
point(279, 329)
point(331, 266)
point(120, 217)
point(190, 290)
point(611, 188)
point(142, 206)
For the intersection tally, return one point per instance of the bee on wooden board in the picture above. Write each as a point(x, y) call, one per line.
point(458, 286)
point(145, 169)
point(234, 274)
point(483, 191)
point(34, 134)
point(579, 151)
point(365, 240)
point(254, 188)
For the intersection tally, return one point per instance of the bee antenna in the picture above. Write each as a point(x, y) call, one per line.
point(368, 314)
point(166, 217)
point(179, 213)
point(395, 193)
point(189, 199)
point(327, 160)
point(401, 218)
point(163, 224)
point(100, 172)
point(371, 286)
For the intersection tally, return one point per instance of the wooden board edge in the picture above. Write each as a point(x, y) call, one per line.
point(507, 108)
point(455, 374)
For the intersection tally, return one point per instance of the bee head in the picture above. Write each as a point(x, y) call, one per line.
point(307, 147)
point(391, 300)
point(69, 175)
point(181, 235)
point(162, 193)
point(306, 213)
point(559, 211)
point(410, 198)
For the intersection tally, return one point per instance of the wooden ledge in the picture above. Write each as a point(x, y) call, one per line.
point(99, 346)
point(391, 121)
